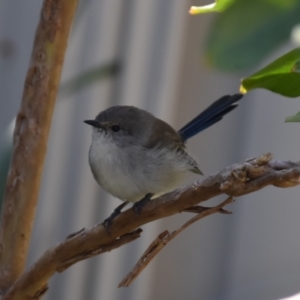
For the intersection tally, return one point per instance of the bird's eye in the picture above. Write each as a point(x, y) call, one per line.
point(115, 128)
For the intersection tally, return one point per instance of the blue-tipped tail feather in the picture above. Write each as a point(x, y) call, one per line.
point(210, 116)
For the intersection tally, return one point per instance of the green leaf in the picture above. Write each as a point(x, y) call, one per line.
point(249, 30)
point(295, 118)
point(218, 6)
point(281, 76)
point(87, 78)
point(296, 67)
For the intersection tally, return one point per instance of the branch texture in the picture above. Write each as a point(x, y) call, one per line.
point(235, 180)
point(165, 237)
point(31, 135)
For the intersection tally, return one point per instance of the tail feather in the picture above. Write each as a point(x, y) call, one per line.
point(211, 115)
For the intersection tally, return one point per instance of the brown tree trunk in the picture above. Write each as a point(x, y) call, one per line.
point(31, 136)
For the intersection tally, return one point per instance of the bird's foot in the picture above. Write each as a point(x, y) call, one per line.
point(107, 222)
point(138, 206)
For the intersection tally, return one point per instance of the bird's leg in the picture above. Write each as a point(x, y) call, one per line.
point(138, 206)
point(107, 222)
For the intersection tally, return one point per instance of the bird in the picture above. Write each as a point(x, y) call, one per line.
point(136, 157)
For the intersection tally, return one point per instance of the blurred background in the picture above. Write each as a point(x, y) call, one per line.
point(154, 55)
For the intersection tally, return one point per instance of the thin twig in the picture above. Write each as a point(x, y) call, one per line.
point(236, 180)
point(124, 239)
point(163, 239)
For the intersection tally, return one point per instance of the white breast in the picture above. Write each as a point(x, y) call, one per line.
point(131, 173)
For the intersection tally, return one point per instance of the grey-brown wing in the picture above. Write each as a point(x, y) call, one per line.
point(162, 134)
point(192, 163)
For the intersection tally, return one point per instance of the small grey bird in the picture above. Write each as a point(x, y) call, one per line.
point(135, 156)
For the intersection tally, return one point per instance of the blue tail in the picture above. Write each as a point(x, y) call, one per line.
point(210, 116)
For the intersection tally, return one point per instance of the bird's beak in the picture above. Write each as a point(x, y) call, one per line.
point(93, 123)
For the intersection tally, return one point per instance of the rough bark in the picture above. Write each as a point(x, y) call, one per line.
point(235, 180)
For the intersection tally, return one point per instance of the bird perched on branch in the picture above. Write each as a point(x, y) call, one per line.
point(135, 156)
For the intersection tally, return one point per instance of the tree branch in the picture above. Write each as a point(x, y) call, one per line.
point(31, 135)
point(235, 180)
point(122, 240)
point(165, 237)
